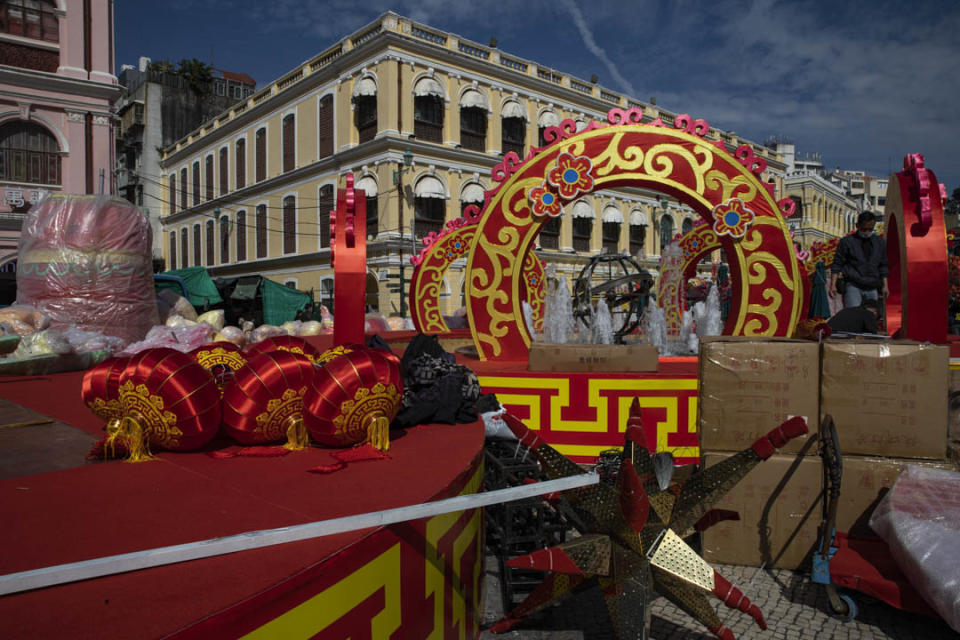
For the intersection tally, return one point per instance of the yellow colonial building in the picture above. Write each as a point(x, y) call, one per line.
point(420, 117)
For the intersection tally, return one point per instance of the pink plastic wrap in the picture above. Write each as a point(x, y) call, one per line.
point(919, 519)
point(85, 261)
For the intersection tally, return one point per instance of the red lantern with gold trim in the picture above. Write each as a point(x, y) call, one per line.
point(334, 352)
point(169, 401)
point(264, 401)
point(293, 344)
point(221, 359)
point(100, 386)
point(354, 398)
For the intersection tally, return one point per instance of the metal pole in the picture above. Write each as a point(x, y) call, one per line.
point(403, 286)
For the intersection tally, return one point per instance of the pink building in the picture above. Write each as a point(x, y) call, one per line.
point(57, 89)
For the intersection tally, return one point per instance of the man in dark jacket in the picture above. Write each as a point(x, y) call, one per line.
point(862, 259)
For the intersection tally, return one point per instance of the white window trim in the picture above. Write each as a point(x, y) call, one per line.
point(289, 112)
point(296, 224)
point(266, 231)
point(266, 153)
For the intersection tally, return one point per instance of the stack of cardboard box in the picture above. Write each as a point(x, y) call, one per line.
point(888, 400)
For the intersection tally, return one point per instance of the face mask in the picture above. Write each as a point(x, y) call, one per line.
point(865, 234)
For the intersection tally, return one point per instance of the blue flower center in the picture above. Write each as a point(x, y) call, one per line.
point(548, 198)
point(731, 218)
point(571, 176)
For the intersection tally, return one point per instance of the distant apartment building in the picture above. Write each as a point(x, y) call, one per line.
point(57, 89)
point(824, 208)
point(157, 108)
point(420, 117)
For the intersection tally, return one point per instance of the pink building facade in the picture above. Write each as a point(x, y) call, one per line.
point(57, 89)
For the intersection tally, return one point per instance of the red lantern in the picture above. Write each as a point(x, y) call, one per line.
point(221, 359)
point(354, 398)
point(264, 401)
point(100, 388)
point(168, 401)
point(292, 344)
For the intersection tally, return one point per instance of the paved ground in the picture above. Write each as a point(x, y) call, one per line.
point(794, 607)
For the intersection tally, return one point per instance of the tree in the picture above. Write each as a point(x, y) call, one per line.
point(952, 205)
point(198, 74)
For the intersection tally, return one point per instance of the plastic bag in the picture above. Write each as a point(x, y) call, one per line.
point(215, 319)
point(175, 321)
point(85, 341)
point(311, 328)
point(183, 338)
point(178, 304)
point(24, 319)
point(374, 322)
point(231, 334)
point(263, 332)
point(87, 261)
point(42, 343)
point(919, 519)
point(292, 328)
point(495, 426)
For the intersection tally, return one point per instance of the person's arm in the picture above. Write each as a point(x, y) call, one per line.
point(885, 291)
point(884, 270)
point(836, 267)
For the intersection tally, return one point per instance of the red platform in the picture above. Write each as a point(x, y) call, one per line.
point(326, 587)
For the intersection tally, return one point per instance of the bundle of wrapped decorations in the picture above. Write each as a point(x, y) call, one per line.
point(86, 261)
point(278, 389)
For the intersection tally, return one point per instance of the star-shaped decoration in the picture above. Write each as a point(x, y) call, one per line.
point(631, 540)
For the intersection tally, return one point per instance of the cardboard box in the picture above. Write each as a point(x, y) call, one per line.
point(779, 514)
point(865, 481)
point(593, 357)
point(887, 398)
point(750, 386)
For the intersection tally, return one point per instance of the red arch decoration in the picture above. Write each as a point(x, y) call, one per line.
point(723, 188)
point(917, 254)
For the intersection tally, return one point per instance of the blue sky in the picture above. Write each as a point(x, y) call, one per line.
point(862, 82)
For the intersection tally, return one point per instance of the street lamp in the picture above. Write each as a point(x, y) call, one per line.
point(398, 180)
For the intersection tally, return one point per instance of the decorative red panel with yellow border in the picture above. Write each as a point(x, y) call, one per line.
point(582, 414)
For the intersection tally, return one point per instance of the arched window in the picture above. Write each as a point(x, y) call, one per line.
point(687, 226)
point(365, 108)
point(325, 126)
point(513, 128)
point(224, 168)
point(289, 143)
point(325, 205)
point(196, 182)
point(666, 231)
point(473, 120)
point(241, 236)
point(290, 224)
point(428, 110)
point(260, 151)
point(612, 220)
point(638, 232)
point(471, 194)
point(224, 240)
point(197, 250)
point(28, 153)
point(172, 258)
point(582, 225)
point(241, 163)
point(208, 177)
point(261, 231)
point(184, 248)
point(547, 119)
point(369, 186)
point(429, 205)
point(210, 250)
point(172, 197)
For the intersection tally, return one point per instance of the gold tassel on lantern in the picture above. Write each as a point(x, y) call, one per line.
point(378, 432)
point(127, 433)
point(297, 436)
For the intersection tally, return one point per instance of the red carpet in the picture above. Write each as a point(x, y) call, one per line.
point(111, 508)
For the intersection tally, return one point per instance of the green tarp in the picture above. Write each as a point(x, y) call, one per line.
point(281, 303)
point(200, 288)
point(246, 290)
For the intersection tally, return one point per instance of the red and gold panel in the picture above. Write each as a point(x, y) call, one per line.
point(916, 254)
point(100, 388)
point(582, 414)
point(417, 579)
point(724, 188)
point(433, 262)
point(221, 359)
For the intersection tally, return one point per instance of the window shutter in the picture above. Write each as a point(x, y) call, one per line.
point(184, 248)
point(183, 188)
point(241, 236)
point(325, 126)
point(261, 152)
point(241, 163)
point(289, 224)
point(208, 177)
point(325, 206)
point(262, 231)
point(173, 250)
point(173, 193)
point(210, 254)
point(196, 183)
point(289, 143)
point(224, 186)
point(224, 240)
point(196, 245)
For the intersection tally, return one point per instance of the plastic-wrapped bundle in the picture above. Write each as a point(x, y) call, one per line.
point(86, 261)
point(919, 519)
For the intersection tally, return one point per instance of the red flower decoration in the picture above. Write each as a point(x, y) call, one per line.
point(732, 218)
point(571, 176)
point(545, 201)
